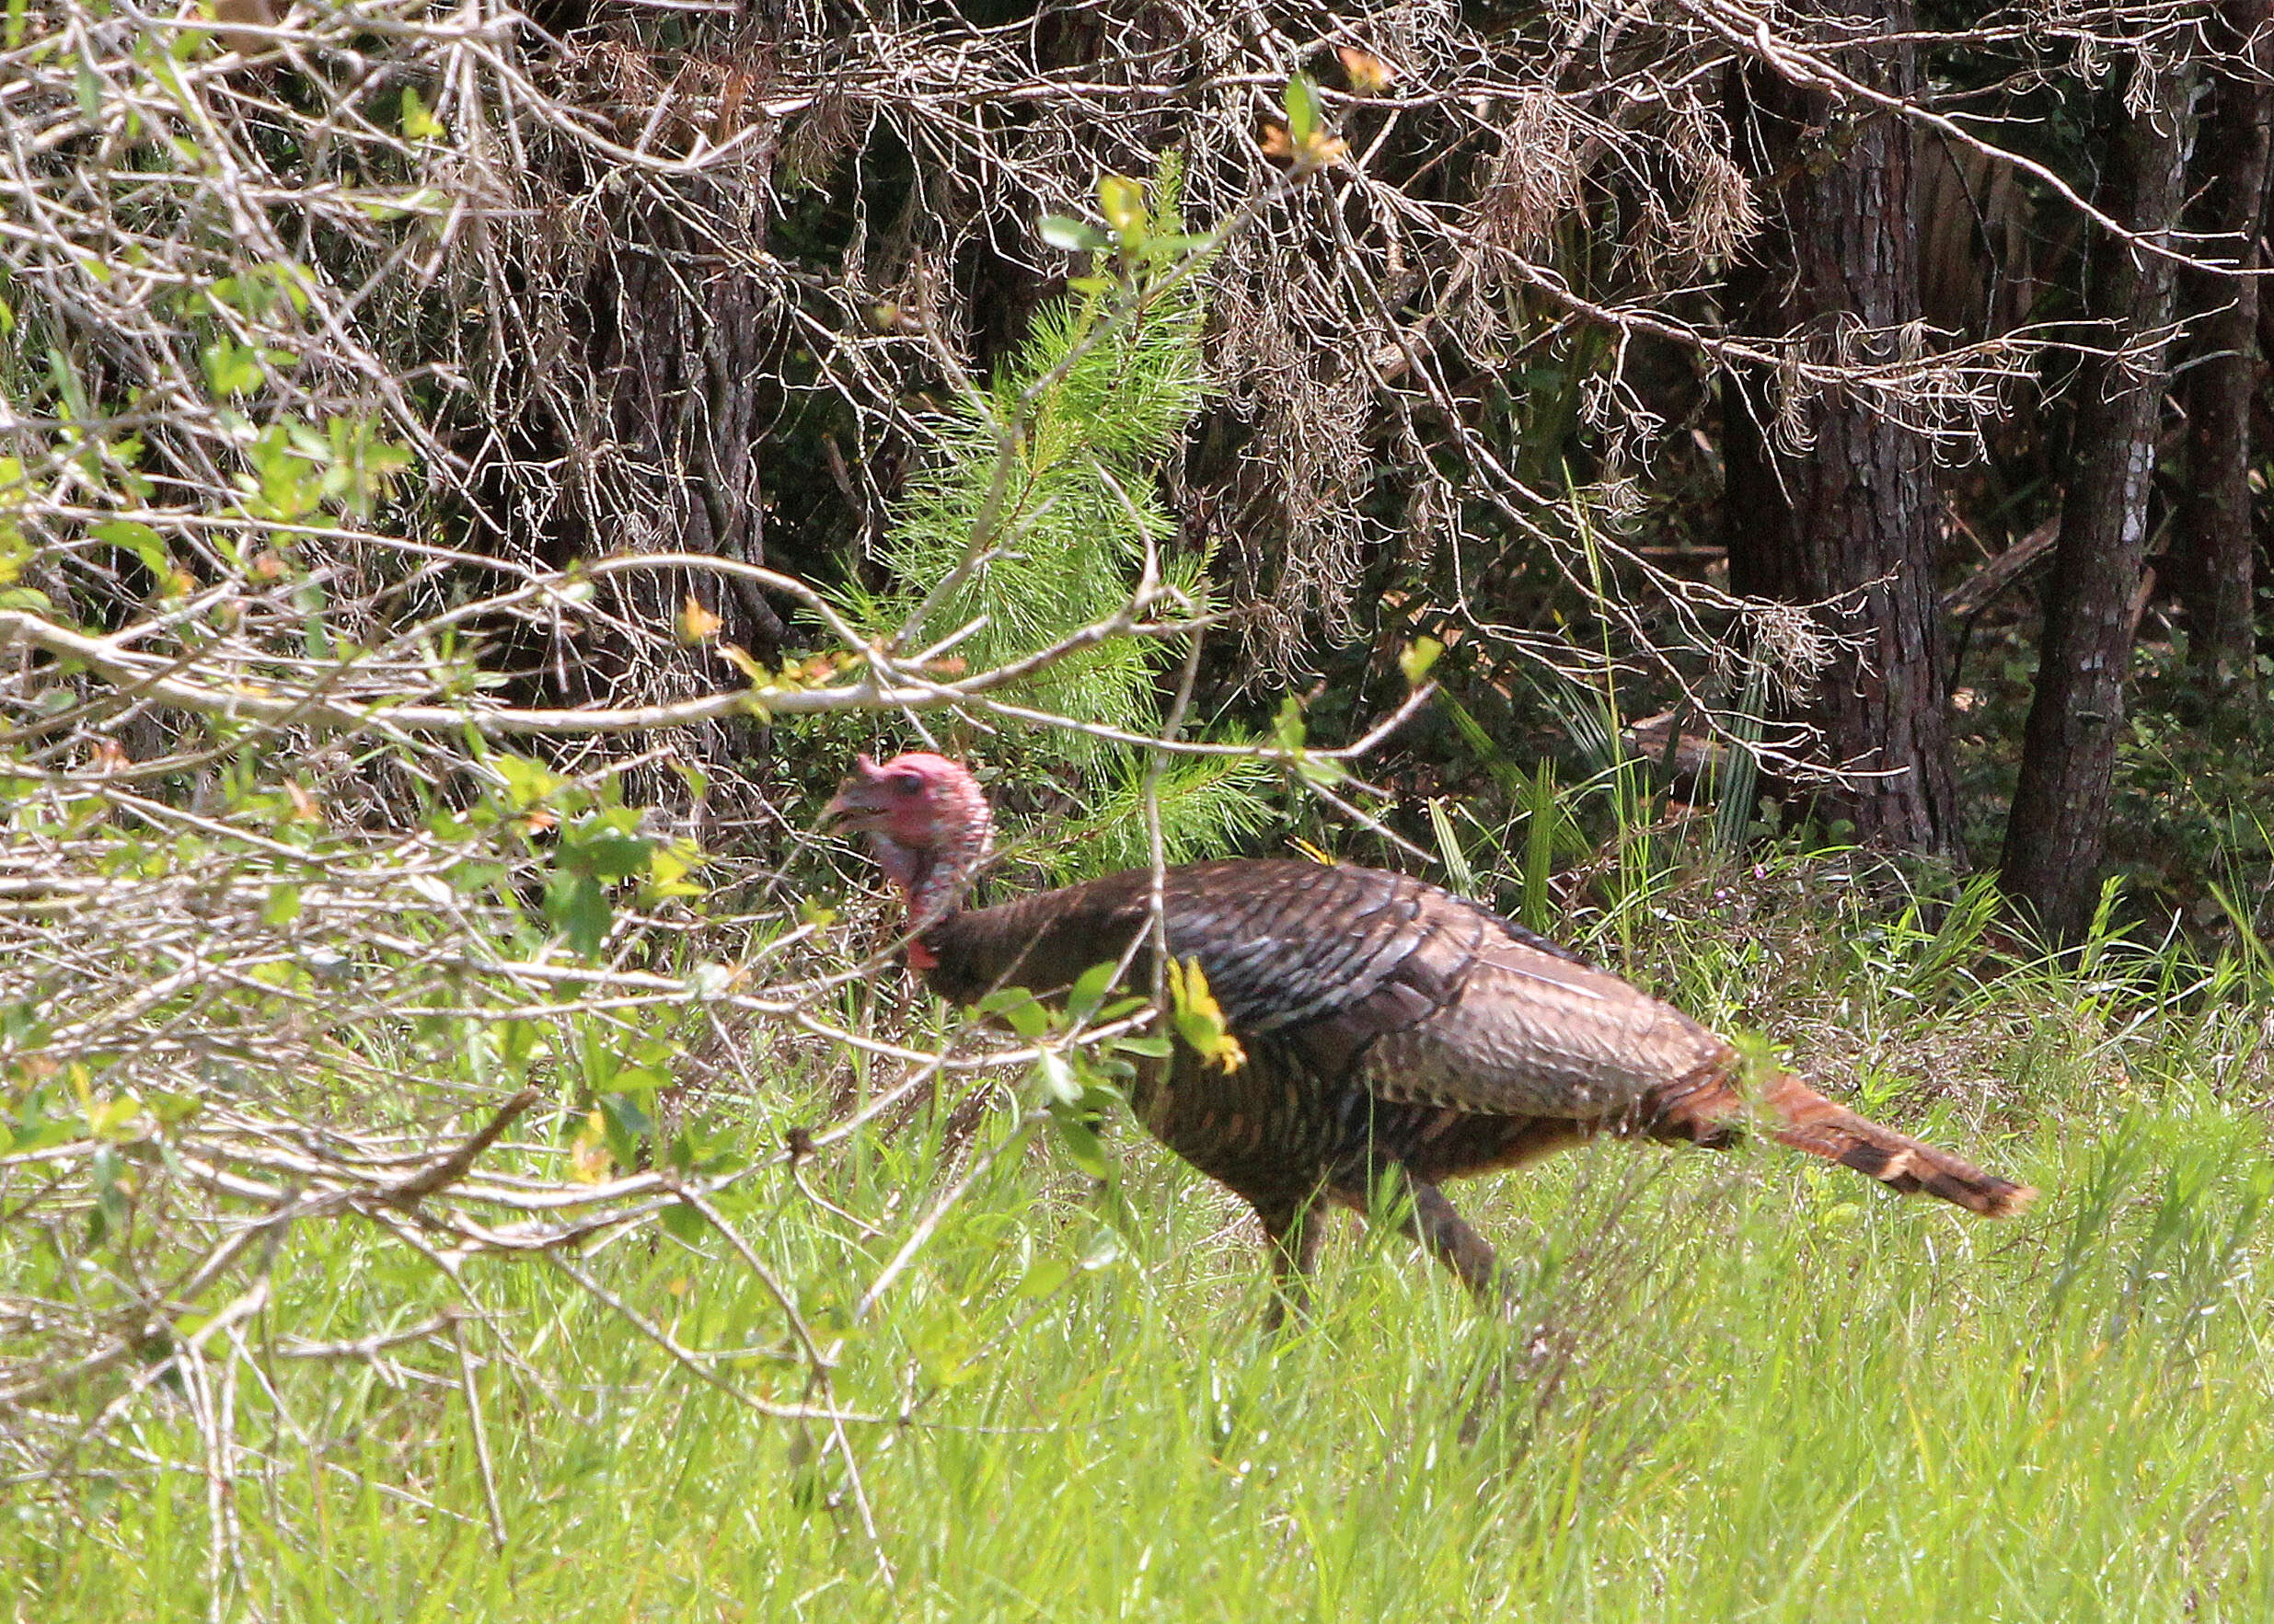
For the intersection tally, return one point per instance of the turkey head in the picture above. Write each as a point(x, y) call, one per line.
point(928, 826)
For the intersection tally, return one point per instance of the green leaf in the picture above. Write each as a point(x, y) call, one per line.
point(1288, 728)
point(419, 124)
point(517, 1043)
point(1082, 1149)
point(1419, 656)
point(949, 1352)
point(1018, 1009)
point(1122, 201)
point(231, 369)
point(1090, 989)
point(639, 1080)
point(1047, 1275)
point(173, 1109)
point(1323, 771)
point(527, 782)
point(607, 854)
point(682, 1221)
point(697, 780)
point(1156, 1048)
point(315, 638)
point(668, 865)
point(36, 1133)
point(1199, 1019)
point(627, 1124)
point(112, 1185)
point(114, 1117)
point(135, 536)
point(577, 907)
point(1058, 1079)
point(1098, 1098)
point(1076, 237)
point(1302, 103)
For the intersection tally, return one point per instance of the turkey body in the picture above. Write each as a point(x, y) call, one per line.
point(1392, 1028)
point(1396, 1035)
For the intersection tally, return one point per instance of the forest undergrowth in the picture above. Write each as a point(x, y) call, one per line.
point(1731, 1385)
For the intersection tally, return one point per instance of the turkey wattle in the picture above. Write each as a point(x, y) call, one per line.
point(1389, 1025)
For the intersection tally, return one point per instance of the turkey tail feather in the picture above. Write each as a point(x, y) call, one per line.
point(1809, 1121)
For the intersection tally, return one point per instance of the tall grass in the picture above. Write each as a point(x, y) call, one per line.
point(1734, 1386)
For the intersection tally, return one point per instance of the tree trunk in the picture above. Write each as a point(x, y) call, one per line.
point(2214, 549)
point(2055, 837)
point(1845, 517)
point(630, 389)
point(680, 335)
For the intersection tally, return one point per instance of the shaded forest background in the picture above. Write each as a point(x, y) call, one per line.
point(1879, 392)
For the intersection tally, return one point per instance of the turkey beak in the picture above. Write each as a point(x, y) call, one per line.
point(855, 798)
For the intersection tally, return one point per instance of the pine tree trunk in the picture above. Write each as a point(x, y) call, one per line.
point(2058, 828)
point(1846, 518)
point(681, 336)
point(2214, 549)
point(639, 419)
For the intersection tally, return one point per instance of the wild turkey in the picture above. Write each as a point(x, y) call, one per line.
point(1388, 1025)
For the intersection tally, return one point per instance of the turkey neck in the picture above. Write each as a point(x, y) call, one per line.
point(1042, 942)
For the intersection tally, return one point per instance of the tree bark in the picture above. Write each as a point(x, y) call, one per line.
point(2214, 548)
point(1845, 518)
point(679, 335)
point(2057, 826)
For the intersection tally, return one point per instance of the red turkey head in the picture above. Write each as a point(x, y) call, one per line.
point(927, 820)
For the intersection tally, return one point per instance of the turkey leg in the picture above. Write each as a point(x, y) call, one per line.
point(1427, 1218)
point(1291, 1237)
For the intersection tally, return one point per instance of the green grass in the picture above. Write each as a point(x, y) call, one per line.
point(1734, 1387)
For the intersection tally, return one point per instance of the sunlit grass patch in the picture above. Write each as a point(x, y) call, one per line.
point(1730, 1386)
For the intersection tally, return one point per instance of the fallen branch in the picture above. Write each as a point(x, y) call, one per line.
point(1978, 591)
